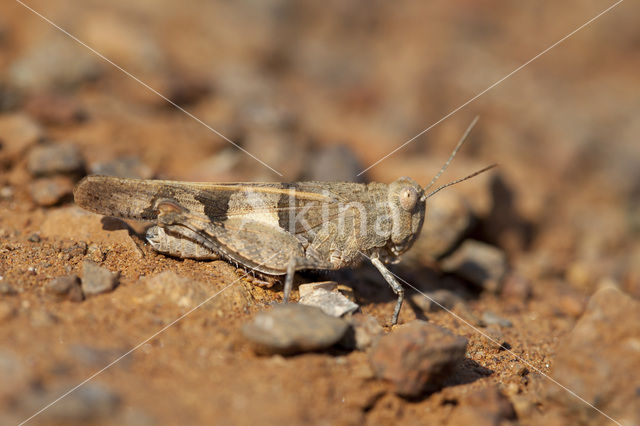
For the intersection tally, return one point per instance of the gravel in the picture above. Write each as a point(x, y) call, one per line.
point(55, 158)
point(332, 303)
point(67, 287)
point(96, 279)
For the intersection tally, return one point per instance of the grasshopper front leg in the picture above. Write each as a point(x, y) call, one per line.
point(395, 286)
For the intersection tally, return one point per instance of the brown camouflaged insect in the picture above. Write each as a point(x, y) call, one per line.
point(273, 228)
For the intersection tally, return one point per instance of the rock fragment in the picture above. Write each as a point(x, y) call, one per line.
point(96, 279)
point(436, 300)
point(490, 318)
point(55, 158)
point(307, 288)
point(332, 303)
point(366, 331)
point(293, 328)
point(15, 375)
point(49, 191)
point(91, 403)
point(336, 163)
point(599, 360)
point(417, 357)
point(17, 133)
point(484, 407)
point(67, 287)
point(124, 167)
point(53, 64)
point(479, 263)
point(447, 220)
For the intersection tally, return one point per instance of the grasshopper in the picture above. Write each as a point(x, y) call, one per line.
point(274, 228)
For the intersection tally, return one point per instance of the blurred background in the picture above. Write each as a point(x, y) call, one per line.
point(322, 90)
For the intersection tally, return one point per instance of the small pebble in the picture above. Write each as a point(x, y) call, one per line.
point(336, 163)
point(366, 331)
point(437, 300)
point(307, 288)
point(55, 158)
point(479, 263)
point(516, 287)
point(332, 303)
point(417, 357)
point(600, 359)
point(50, 191)
point(15, 374)
point(124, 167)
point(447, 220)
point(490, 318)
point(96, 279)
point(67, 287)
point(95, 253)
point(293, 328)
point(17, 133)
point(91, 403)
point(53, 64)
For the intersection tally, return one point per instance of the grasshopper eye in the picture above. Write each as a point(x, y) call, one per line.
point(408, 198)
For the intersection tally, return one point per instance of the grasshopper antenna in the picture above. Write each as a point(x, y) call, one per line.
point(459, 180)
point(453, 154)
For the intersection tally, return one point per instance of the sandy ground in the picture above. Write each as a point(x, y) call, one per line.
point(289, 82)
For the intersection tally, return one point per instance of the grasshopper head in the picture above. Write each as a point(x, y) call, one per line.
point(407, 202)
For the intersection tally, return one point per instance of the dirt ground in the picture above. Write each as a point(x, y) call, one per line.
point(289, 82)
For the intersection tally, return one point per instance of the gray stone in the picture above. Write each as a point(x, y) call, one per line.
point(293, 328)
point(332, 303)
point(417, 357)
point(479, 263)
point(600, 361)
point(336, 163)
point(446, 222)
point(49, 191)
point(366, 331)
point(67, 287)
point(304, 289)
point(55, 158)
point(89, 403)
point(436, 300)
point(99, 357)
point(52, 64)
point(96, 279)
point(124, 167)
point(489, 318)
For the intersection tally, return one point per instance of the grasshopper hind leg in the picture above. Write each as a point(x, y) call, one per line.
point(395, 285)
point(181, 242)
point(288, 281)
